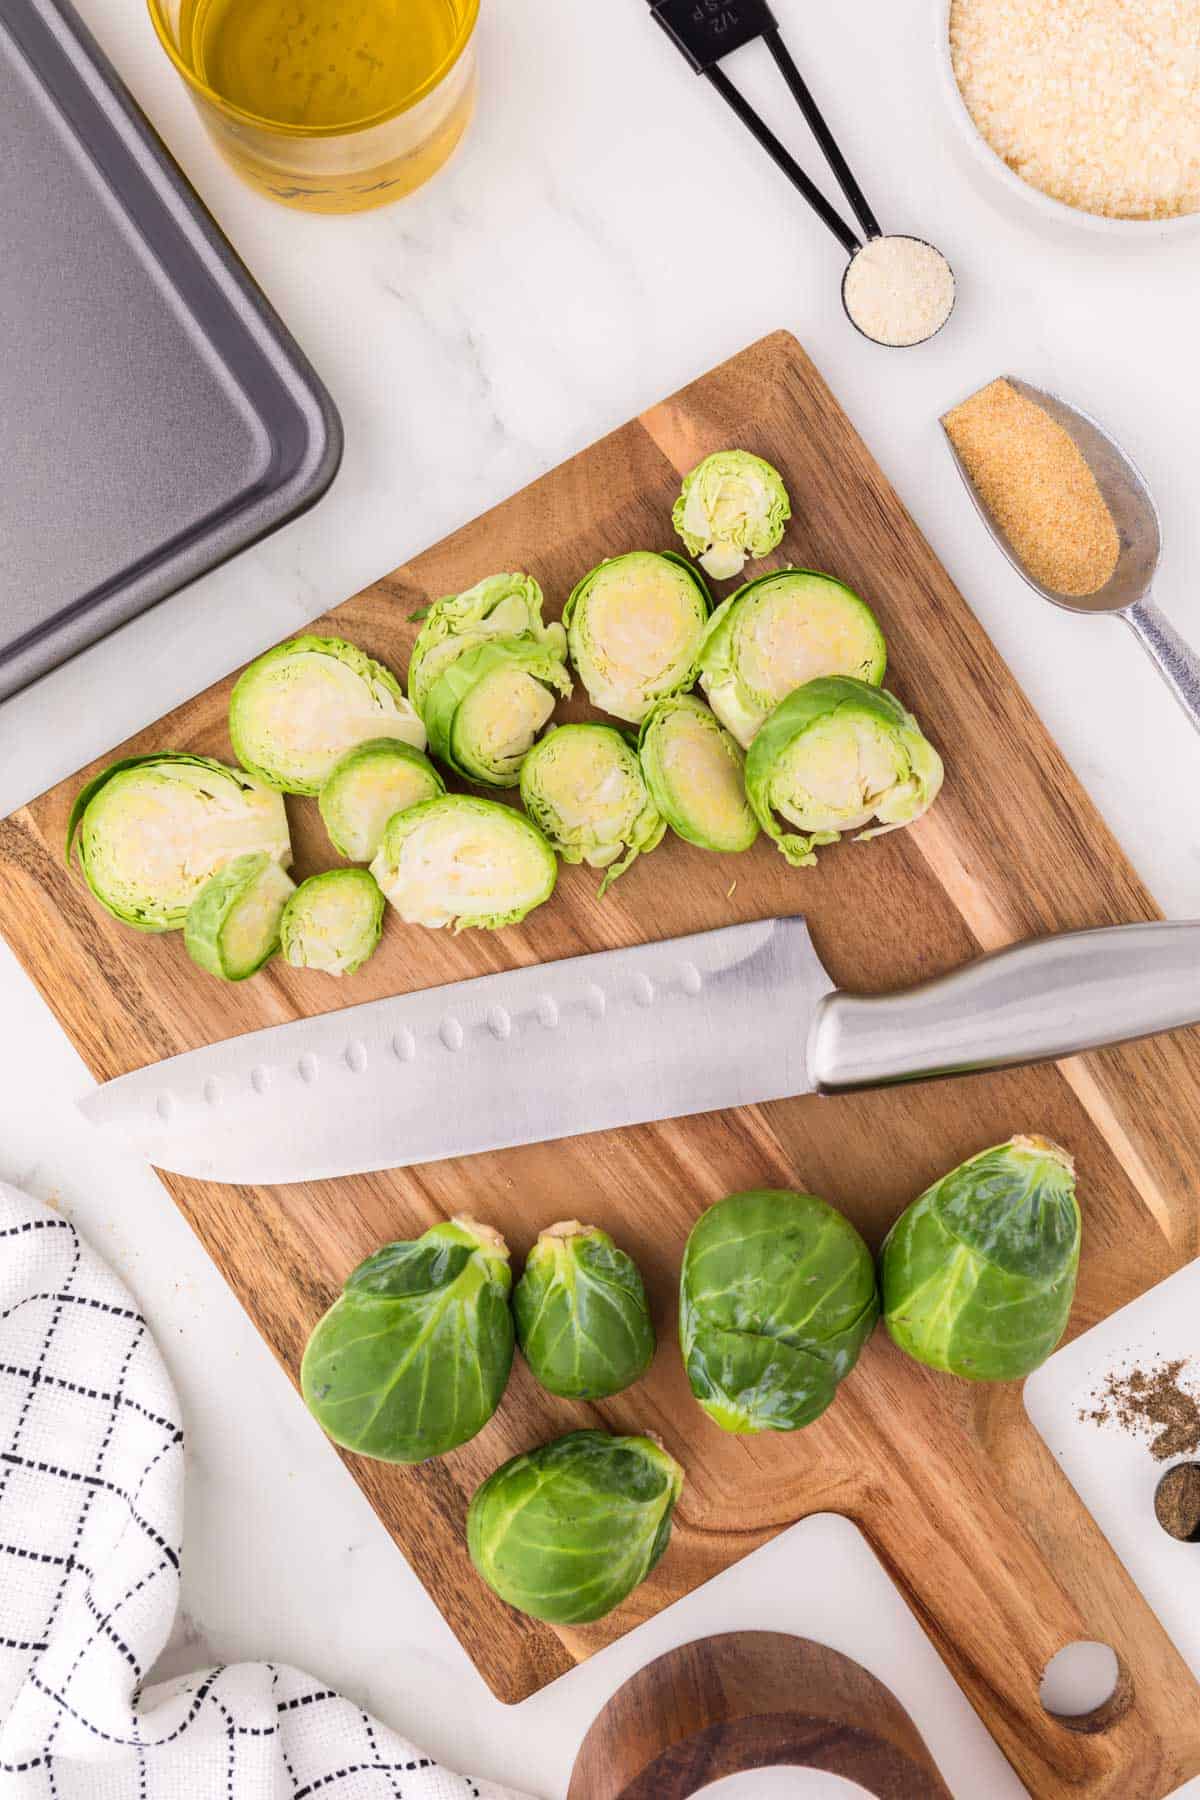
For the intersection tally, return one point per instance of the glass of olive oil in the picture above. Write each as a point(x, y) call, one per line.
point(330, 105)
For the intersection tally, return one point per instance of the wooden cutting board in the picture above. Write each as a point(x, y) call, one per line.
point(951, 1484)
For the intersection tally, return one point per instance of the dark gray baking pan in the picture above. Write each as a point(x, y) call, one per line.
point(155, 415)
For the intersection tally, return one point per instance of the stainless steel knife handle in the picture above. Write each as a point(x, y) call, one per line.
point(1035, 1002)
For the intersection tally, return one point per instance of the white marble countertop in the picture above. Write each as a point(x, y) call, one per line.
point(605, 234)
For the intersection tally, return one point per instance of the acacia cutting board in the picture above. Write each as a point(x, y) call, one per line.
point(951, 1484)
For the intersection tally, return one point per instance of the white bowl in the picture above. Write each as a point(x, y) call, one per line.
point(997, 171)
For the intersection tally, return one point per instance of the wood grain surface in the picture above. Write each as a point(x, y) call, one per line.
point(952, 1485)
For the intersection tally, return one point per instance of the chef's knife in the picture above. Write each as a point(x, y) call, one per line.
point(689, 1025)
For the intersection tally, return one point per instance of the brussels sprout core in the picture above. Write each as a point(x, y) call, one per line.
point(634, 626)
point(583, 1323)
point(500, 606)
point(733, 505)
point(232, 926)
point(485, 710)
point(379, 778)
point(463, 862)
point(332, 922)
point(695, 772)
point(583, 786)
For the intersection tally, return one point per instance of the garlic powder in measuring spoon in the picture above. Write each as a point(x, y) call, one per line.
point(898, 290)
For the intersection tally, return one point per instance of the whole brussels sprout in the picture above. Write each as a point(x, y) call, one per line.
point(463, 862)
point(149, 832)
point(499, 606)
point(634, 625)
point(583, 786)
point(332, 922)
point(695, 771)
point(414, 1358)
point(776, 1299)
point(487, 706)
point(375, 780)
point(833, 756)
point(583, 1323)
point(978, 1274)
point(733, 505)
point(777, 633)
point(565, 1533)
point(232, 926)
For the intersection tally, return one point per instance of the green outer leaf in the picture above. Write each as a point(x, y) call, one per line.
point(753, 536)
point(462, 677)
point(567, 1532)
point(639, 829)
point(414, 1358)
point(216, 905)
point(806, 707)
point(505, 606)
point(272, 768)
point(686, 813)
point(979, 1273)
point(341, 801)
point(489, 814)
point(583, 1321)
point(777, 1296)
point(303, 937)
point(672, 681)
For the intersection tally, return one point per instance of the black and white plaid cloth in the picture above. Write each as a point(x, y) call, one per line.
point(91, 1503)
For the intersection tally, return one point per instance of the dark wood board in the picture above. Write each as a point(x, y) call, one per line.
point(951, 1484)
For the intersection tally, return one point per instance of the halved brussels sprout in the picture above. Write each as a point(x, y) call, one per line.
point(232, 926)
point(833, 756)
point(979, 1273)
point(487, 706)
point(464, 862)
point(583, 1323)
point(733, 505)
point(414, 1357)
point(583, 786)
point(695, 771)
point(634, 626)
point(499, 606)
point(379, 778)
point(776, 1299)
point(779, 632)
point(295, 712)
point(150, 831)
point(332, 922)
point(566, 1532)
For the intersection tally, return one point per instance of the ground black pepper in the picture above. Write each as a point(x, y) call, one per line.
point(1150, 1402)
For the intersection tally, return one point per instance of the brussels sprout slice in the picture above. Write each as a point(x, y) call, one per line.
point(695, 771)
point(979, 1274)
point(296, 712)
point(150, 831)
point(779, 632)
point(565, 1533)
point(379, 778)
point(634, 626)
point(464, 862)
point(733, 505)
point(332, 922)
point(232, 926)
point(776, 1299)
point(583, 1323)
point(486, 708)
point(833, 756)
point(414, 1358)
point(583, 787)
point(499, 606)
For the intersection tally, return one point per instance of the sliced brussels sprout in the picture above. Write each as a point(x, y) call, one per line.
point(295, 712)
point(776, 1299)
point(583, 1322)
point(486, 708)
point(414, 1357)
point(695, 771)
point(232, 926)
point(733, 505)
point(777, 633)
point(634, 626)
point(566, 1532)
point(583, 786)
point(464, 862)
point(979, 1274)
point(379, 778)
point(332, 922)
point(150, 831)
point(499, 606)
point(833, 756)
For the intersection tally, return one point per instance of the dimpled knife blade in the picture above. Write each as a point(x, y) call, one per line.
point(688, 1025)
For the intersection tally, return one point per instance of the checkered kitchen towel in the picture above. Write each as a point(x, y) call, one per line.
point(91, 1500)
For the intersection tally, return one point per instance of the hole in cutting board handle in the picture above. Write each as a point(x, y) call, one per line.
point(1086, 1686)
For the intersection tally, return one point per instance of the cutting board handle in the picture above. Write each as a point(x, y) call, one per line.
point(1034, 1002)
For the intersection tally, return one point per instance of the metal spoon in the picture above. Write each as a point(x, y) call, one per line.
point(1126, 594)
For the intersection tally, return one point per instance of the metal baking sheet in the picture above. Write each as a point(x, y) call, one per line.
point(155, 415)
